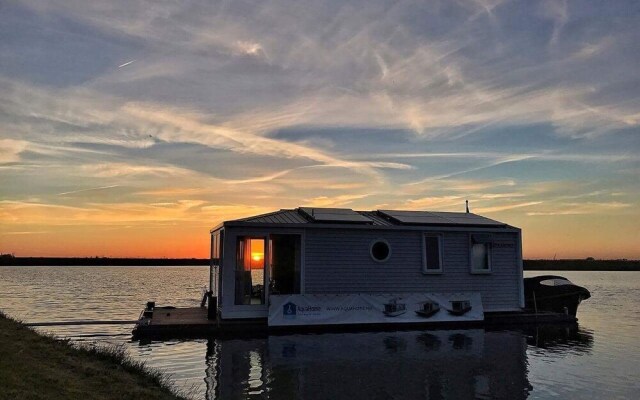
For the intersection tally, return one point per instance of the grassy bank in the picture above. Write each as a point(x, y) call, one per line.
point(33, 366)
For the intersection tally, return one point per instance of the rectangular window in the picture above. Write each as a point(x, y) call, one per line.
point(215, 248)
point(217, 242)
point(432, 251)
point(480, 253)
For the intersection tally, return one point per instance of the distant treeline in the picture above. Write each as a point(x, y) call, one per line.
point(581, 265)
point(98, 261)
point(529, 265)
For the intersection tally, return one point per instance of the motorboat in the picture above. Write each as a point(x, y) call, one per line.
point(428, 308)
point(553, 293)
point(459, 307)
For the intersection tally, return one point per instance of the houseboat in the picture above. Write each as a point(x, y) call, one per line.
point(330, 266)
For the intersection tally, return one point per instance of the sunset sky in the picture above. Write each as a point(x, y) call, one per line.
point(130, 128)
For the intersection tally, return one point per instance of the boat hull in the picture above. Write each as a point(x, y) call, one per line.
point(563, 297)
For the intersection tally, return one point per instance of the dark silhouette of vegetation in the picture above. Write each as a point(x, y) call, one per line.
point(588, 264)
point(8, 259)
point(35, 366)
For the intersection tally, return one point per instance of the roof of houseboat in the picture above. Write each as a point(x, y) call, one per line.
point(339, 217)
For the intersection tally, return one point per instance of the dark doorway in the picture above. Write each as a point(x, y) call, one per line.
point(286, 259)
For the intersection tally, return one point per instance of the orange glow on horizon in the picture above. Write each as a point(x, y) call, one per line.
point(544, 237)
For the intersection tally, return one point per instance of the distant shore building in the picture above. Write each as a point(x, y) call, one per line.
point(335, 265)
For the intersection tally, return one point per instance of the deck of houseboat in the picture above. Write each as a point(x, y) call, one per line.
point(193, 322)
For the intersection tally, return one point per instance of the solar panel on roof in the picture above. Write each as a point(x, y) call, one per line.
point(341, 215)
point(413, 217)
point(438, 218)
point(472, 219)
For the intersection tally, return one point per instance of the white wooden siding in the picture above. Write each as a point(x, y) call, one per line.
point(338, 261)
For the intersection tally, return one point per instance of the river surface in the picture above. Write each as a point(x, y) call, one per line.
point(600, 358)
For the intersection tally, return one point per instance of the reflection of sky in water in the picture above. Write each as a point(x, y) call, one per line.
point(598, 360)
point(610, 319)
point(366, 365)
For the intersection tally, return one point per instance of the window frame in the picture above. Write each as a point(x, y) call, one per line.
point(488, 244)
point(432, 271)
point(373, 242)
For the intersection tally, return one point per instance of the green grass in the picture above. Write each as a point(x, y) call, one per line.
point(35, 366)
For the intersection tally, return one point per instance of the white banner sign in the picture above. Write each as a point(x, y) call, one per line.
point(327, 309)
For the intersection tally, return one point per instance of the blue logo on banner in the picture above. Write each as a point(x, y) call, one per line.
point(289, 310)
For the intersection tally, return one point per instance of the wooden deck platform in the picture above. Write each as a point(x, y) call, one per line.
point(181, 316)
point(192, 322)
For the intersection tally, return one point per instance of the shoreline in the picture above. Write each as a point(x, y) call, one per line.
point(581, 265)
point(28, 359)
point(528, 265)
point(100, 261)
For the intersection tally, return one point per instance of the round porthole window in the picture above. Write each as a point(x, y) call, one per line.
point(380, 250)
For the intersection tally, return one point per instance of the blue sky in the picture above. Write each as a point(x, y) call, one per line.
point(125, 118)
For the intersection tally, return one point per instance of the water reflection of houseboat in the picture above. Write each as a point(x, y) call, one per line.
point(446, 364)
point(565, 338)
point(430, 341)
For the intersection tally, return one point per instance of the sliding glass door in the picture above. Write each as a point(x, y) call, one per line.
point(254, 282)
point(250, 271)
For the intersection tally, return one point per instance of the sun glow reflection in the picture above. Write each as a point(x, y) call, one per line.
point(257, 253)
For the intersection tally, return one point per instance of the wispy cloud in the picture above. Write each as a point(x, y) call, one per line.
point(494, 163)
point(582, 209)
point(111, 170)
point(87, 190)
point(127, 63)
point(25, 233)
point(337, 201)
point(558, 12)
point(434, 203)
point(507, 207)
point(10, 150)
point(182, 113)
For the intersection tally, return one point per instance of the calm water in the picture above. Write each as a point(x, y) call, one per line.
point(599, 359)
